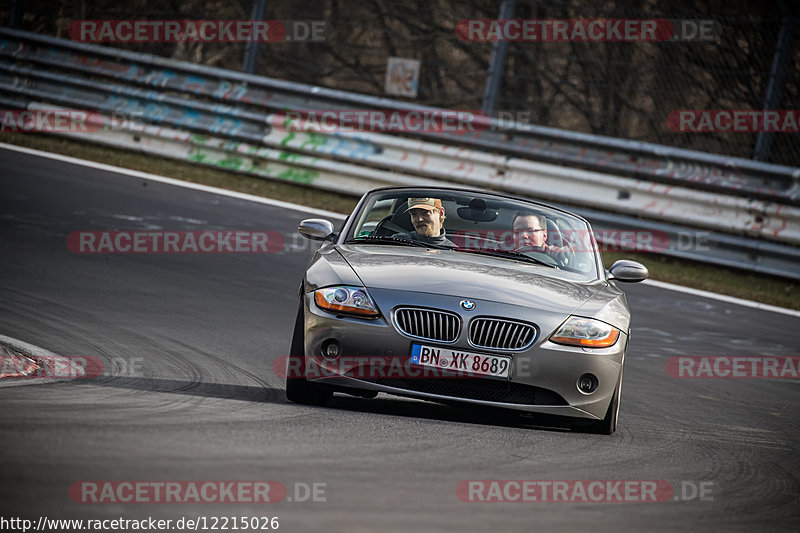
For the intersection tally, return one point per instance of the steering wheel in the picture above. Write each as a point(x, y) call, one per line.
point(560, 259)
point(567, 252)
point(387, 228)
point(544, 257)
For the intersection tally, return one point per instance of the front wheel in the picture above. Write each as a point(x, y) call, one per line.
point(298, 388)
point(608, 424)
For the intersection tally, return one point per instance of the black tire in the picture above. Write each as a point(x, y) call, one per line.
point(608, 424)
point(298, 388)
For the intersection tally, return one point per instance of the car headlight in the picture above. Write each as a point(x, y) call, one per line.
point(346, 299)
point(588, 332)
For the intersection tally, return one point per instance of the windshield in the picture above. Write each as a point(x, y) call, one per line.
point(476, 223)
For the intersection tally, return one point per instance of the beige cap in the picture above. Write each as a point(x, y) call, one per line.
point(424, 203)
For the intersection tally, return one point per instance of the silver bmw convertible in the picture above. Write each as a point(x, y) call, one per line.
point(463, 297)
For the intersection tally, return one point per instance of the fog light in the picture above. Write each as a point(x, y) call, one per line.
point(330, 349)
point(587, 383)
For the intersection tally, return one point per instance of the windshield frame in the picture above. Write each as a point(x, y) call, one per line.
point(359, 212)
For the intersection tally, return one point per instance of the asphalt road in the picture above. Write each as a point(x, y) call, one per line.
point(203, 403)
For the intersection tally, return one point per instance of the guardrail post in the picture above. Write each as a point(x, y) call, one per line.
point(777, 77)
point(17, 13)
point(497, 63)
point(251, 50)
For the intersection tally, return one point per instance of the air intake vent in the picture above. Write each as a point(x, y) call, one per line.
point(487, 390)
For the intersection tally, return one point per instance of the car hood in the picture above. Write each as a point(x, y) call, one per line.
point(471, 276)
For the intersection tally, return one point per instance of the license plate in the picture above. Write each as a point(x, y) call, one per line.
point(497, 366)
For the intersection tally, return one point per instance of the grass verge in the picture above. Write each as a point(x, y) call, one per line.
point(732, 282)
point(761, 288)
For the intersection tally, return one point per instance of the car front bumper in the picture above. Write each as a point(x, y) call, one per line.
point(544, 378)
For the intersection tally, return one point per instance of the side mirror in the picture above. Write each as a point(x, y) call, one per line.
point(628, 271)
point(316, 229)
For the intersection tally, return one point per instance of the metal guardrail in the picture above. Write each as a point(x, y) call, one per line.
point(225, 119)
point(634, 159)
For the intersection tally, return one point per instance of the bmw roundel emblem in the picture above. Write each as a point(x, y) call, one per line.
point(469, 305)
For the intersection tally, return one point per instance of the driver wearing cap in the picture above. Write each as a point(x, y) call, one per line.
point(427, 216)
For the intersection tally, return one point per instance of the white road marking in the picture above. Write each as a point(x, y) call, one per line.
point(721, 297)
